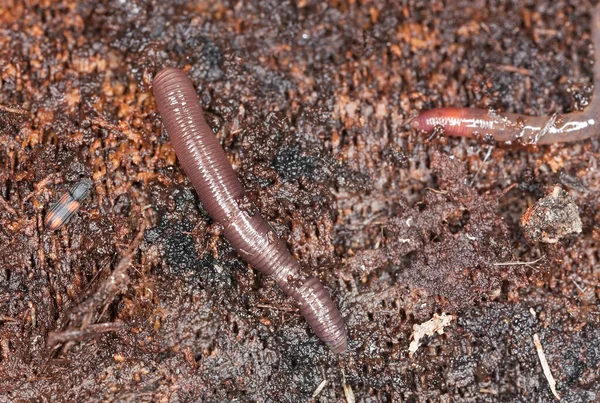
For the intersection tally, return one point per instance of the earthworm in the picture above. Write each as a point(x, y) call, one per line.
point(512, 127)
point(62, 211)
point(205, 163)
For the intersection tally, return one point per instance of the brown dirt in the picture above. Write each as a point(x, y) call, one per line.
point(139, 298)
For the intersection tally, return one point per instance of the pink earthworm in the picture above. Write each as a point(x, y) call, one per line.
point(517, 128)
point(205, 163)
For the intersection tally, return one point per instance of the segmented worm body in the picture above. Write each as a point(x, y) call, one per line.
point(223, 196)
point(512, 127)
point(62, 211)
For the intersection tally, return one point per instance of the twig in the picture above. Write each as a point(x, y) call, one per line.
point(276, 308)
point(518, 263)
point(103, 123)
point(489, 391)
point(485, 159)
point(508, 189)
point(319, 389)
point(5, 349)
point(545, 367)
point(117, 281)
point(13, 110)
point(38, 187)
point(7, 206)
point(410, 119)
point(348, 393)
point(442, 192)
point(549, 125)
point(581, 289)
point(511, 69)
point(123, 128)
point(4, 318)
point(583, 280)
point(85, 314)
point(82, 334)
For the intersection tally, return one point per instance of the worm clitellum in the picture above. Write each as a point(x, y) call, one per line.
point(67, 205)
point(512, 127)
point(205, 163)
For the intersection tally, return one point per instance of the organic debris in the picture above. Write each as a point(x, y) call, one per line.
point(429, 328)
point(552, 218)
point(545, 366)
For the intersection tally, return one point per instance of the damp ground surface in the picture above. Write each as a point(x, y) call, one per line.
point(139, 298)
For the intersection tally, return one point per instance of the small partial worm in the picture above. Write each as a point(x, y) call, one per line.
point(512, 127)
point(62, 211)
point(224, 198)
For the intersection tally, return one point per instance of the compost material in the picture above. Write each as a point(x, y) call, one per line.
point(140, 298)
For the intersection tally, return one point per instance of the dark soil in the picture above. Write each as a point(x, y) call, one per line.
point(139, 298)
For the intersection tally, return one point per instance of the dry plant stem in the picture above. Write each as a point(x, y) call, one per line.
point(85, 313)
point(113, 284)
point(512, 127)
point(90, 331)
point(545, 366)
point(7, 206)
point(8, 109)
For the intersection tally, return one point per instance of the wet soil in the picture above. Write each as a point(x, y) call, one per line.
point(139, 298)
